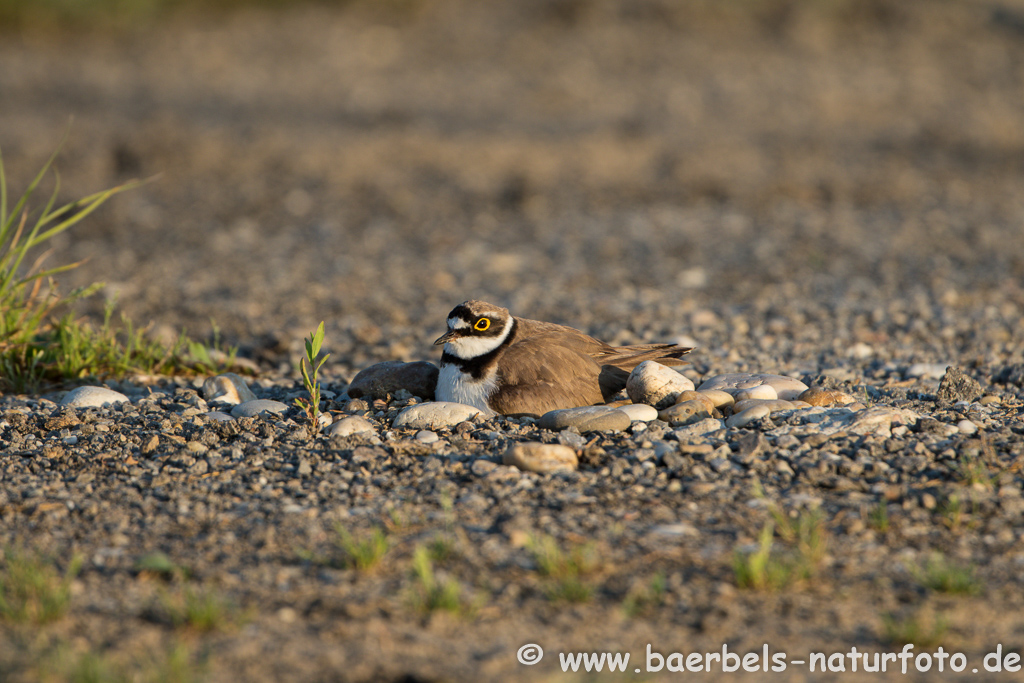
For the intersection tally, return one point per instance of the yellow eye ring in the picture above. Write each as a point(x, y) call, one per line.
point(482, 324)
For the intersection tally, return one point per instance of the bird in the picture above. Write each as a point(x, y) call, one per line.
point(503, 364)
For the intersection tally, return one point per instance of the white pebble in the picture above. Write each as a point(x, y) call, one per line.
point(656, 384)
point(967, 427)
point(353, 424)
point(227, 388)
point(927, 370)
point(260, 405)
point(434, 415)
point(92, 397)
point(745, 417)
point(640, 412)
point(762, 392)
point(787, 388)
point(426, 436)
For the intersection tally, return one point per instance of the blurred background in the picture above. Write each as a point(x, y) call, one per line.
point(723, 170)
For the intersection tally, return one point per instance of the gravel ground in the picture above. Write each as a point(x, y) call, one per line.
point(826, 191)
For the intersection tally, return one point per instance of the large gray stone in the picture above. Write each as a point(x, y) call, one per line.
point(656, 384)
point(383, 379)
point(260, 405)
point(586, 419)
point(227, 388)
point(734, 383)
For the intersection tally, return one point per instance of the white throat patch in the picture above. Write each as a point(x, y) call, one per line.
point(469, 347)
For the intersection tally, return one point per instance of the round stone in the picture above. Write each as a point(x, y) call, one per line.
point(353, 424)
point(218, 416)
point(426, 436)
point(762, 392)
point(706, 400)
point(685, 413)
point(227, 388)
point(639, 412)
point(542, 458)
point(656, 384)
point(816, 396)
point(774, 405)
point(967, 427)
point(387, 378)
point(586, 419)
point(719, 398)
point(434, 415)
point(745, 417)
point(92, 397)
point(259, 406)
point(786, 388)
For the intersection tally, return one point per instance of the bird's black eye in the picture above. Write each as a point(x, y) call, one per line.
point(482, 324)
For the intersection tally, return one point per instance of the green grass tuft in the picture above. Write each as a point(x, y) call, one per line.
point(432, 594)
point(363, 552)
point(565, 570)
point(32, 590)
point(939, 574)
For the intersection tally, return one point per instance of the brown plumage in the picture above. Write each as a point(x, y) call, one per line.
point(521, 366)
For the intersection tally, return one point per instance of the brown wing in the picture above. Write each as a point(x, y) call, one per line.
point(547, 369)
point(628, 357)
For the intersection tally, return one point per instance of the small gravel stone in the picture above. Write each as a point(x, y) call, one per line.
point(709, 403)
point(218, 416)
point(227, 388)
point(586, 419)
point(435, 415)
point(92, 397)
point(353, 424)
point(384, 379)
point(697, 429)
point(745, 417)
point(786, 388)
point(260, 405)
point(482, 468)
point(656, 385)
point(542, 458)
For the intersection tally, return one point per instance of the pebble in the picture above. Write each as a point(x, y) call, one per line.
point(426, 436)
point(745, 417)
point(720, 399)
point(639, 412)
point(989, 399)
point(774, 404)
point(383, 379)
point(353, 424)
point(92, 397)
point(586, 419)
point(656, 384)
point(786, 388)
point(762, 392)
point(482, 468)
point(435, 415)
point(825, 397)
point(967, 427)
point(227, 388)
point(697, 429)
point(926, 370)
point(542, 458)
point(259, 406)
point(685, 413)
point(218, 416)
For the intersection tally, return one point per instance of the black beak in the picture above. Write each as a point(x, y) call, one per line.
point(445, 338)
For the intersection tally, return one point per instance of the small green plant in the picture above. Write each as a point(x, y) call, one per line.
point(973, 471)
point(644, 599)
point(939, 574)
point(952, 511)
point(920, 628)
point(432, 594)
point(878, 518)
point(157, 564)
point(364, 552)
point(199, 609)
point(32, 590)
point(565, 570)
point(761, 570)
point(310, 369)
